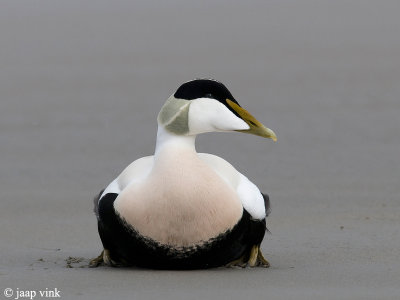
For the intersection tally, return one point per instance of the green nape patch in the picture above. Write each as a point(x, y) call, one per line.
point(174, 115)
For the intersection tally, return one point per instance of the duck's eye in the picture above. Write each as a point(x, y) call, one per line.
point(210, 96)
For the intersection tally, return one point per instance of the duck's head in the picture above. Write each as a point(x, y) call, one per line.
point(205, 105)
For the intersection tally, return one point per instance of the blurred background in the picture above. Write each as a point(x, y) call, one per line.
point(82, 82)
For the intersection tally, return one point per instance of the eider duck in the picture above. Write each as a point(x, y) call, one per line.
point(179, 209)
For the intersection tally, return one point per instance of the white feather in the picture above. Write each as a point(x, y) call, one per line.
point(251, 197)
point(209, 115)
point(135, 172)
point(181, 193)
point(112, 188)
point(248, 193)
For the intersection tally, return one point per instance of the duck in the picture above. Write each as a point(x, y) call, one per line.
point(180, 209)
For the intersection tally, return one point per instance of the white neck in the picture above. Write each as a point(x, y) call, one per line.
point(166, 140)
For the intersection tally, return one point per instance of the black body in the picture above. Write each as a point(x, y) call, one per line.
point(130, 248)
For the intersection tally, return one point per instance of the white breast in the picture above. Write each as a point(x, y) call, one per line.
point(181, 202)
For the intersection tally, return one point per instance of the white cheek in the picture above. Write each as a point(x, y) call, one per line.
point(207, 115)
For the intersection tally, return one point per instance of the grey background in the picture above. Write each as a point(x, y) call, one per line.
point(81, 83)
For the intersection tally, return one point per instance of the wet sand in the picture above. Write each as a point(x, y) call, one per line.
point(81, 85)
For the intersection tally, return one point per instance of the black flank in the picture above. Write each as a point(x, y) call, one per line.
point(126, 244)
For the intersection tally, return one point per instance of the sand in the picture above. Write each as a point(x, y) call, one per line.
point(81, 83)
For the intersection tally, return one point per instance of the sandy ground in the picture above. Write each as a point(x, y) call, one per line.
point(81, 83)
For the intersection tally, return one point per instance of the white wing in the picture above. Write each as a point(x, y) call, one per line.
point(249, 194)
point(136, 171)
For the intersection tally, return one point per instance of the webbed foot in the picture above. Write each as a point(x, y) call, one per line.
point(262, 262)
point(257, 259)
point(105, 259)
point(241, 262)
point(95, 262)
point(254, 259)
